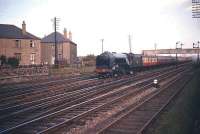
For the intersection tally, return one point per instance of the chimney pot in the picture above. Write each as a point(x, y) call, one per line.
point(23, 27)
point(70, 35)
point(65, 33)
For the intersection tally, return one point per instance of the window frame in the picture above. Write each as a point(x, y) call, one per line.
point(33, 58)
point(32, 44)
point(18, 56)
point(18, 43)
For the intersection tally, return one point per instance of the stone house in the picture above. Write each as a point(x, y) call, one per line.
point(16, 42)
point(66, 48)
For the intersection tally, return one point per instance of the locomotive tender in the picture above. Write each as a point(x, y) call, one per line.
point(109, 64)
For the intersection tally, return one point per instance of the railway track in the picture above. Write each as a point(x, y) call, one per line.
point(18, 101)
point(135, 119)
point(46, 92)
point(65, 101)
point(30, 86)
point(67, 115)
point(91, 118)
point(25, 90)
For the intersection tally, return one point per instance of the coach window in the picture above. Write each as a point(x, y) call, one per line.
point(144, 60)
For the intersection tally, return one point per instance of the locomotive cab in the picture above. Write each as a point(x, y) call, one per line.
point(121, 65)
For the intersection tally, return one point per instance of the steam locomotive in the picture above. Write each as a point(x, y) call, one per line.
point(110, 64)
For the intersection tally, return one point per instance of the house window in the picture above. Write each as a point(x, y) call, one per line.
point(60, 56)
point(53, 49)
point(32, 43)
point(17, 43)
point(32, 58)
point(18, 56)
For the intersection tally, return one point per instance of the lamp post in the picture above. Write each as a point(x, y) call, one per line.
point(176, 52)
point(178, 42)
point(181, 47)
point(102, 45)
point(155, 47)
point(130, 45)
point(198, 50)
point(197, 46)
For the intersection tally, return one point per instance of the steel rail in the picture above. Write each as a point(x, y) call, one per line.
point(54, 113)
point(141, 109)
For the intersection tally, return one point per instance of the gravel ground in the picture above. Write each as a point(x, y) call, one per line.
point(183, 115)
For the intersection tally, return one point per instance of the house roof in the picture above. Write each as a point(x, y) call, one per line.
point(12, 32)
point(59, 38)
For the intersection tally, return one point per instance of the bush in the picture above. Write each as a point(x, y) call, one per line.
point(14, 62)
point(3, 60)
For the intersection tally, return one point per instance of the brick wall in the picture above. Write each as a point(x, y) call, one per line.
point(24, 71)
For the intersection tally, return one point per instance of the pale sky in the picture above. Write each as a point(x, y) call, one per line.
point(163, 22)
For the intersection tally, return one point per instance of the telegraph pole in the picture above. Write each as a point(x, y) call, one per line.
point(102, 45)
point(56, 21)
point(130, 45)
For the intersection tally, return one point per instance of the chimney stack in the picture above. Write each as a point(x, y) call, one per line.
point(65, 33)
point(23, 28)
point(70, 35)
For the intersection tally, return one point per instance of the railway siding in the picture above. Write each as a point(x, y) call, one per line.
point(135, 120)
point(104, 107)
point(182, 115)
point(106, 117)
point(73, 113)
